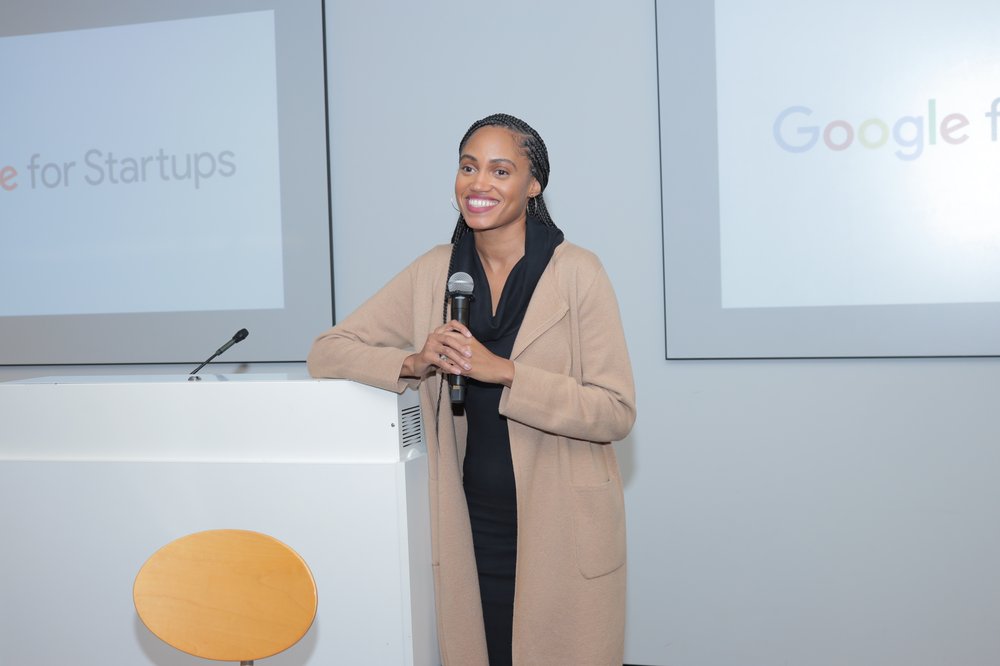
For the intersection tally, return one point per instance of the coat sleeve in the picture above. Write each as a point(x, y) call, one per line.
point(598, 407)
point(370, 344)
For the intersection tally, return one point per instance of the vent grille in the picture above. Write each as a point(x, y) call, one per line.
point(412, 426)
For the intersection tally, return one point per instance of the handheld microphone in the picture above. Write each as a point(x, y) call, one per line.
point(238, 337)
point(460, 292)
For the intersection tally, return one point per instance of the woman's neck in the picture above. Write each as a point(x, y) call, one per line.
point(500, 249)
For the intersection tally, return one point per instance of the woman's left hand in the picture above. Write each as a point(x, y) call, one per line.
point(485, 366)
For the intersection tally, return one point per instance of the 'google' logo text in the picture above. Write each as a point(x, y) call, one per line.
point(794, 133)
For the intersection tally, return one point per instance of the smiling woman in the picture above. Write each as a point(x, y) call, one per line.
point(528, 526)
point(494, 180)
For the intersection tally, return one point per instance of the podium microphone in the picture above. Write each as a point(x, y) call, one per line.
point(239, 337)
point(460, 291)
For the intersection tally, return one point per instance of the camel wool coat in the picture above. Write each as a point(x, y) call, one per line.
point(571, 396)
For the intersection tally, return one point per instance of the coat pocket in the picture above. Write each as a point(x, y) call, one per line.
point(599, 527)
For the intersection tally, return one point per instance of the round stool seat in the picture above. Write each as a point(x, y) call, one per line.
point(228, 595)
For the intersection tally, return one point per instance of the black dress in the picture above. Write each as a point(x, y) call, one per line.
point(492, 499)
point(488, 472)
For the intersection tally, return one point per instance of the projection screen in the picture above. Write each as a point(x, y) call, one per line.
point(163, 181)
point(829, 177)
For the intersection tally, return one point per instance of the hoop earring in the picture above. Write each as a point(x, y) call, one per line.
point(455, 205)
point(533, 200)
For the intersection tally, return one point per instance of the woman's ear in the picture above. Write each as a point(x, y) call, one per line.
point(534, 189)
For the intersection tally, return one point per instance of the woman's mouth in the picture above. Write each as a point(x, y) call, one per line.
point(479, 204)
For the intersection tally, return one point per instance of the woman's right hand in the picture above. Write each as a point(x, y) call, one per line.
point(446, 349)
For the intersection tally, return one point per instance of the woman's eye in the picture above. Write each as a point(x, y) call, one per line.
point(501, 172)
point(465, 168)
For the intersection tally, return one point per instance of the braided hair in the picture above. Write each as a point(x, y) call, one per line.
point(538, 157)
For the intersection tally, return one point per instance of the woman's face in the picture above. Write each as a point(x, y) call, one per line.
point(494, 180)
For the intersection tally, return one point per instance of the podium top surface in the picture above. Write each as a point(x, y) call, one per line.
point(254, 417)
point(170, 379)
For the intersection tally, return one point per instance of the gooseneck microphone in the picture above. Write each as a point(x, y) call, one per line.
point(238, 337)
point(460, 292)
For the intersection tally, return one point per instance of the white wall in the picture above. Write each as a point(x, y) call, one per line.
point(800, 513)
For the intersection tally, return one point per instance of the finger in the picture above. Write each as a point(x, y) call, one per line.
point(454, 360)
point(457, 341)
point(460, 327)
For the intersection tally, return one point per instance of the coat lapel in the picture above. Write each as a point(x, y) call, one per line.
point(546, 308)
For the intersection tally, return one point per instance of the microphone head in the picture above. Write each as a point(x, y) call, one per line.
point(460, 283)
point(241, 335)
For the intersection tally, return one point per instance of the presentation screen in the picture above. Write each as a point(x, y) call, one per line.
point(828, 181)
point(163, 181)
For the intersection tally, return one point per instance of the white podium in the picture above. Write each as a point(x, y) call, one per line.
point(97, 473)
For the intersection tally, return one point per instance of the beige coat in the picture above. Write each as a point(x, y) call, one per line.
point(572, 394)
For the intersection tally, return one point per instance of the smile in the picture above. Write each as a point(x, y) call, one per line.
point(478, 205)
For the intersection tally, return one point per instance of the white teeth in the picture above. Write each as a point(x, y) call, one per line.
point(482, 203)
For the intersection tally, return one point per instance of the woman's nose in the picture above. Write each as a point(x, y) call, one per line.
point(481, 182)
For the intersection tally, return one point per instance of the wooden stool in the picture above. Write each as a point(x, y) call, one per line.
point(228, 595)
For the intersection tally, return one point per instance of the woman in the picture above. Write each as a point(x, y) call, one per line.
point(526, 499)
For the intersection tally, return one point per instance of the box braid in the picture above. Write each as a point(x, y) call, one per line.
point(538, 157)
